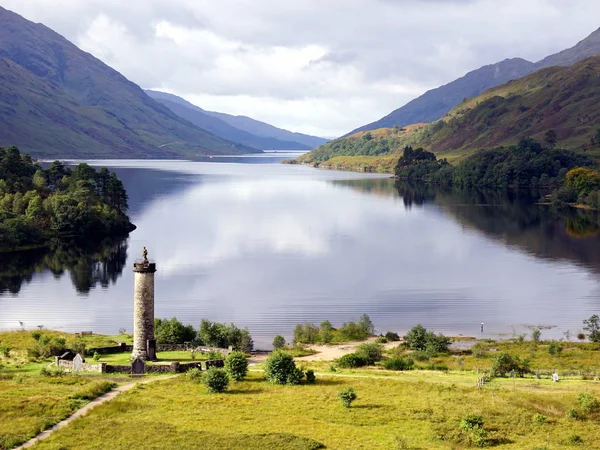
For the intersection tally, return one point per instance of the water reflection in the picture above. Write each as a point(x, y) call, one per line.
point(87, 265)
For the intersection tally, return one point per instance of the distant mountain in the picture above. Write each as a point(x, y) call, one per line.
point(563, 99)
point(435, 103)
point(58, 101)
point(211, 122)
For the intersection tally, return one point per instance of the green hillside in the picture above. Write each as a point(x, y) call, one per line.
point(563, 99)
point(58, 101)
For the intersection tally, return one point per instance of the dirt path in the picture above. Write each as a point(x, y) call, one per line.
point(83, 411)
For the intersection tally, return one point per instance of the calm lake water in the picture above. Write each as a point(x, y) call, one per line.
point(265, 245)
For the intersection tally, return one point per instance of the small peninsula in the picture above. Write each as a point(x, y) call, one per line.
point(40, 205)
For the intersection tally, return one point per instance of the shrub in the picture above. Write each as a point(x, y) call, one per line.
point(310, 377)
point(78, 346)
point(574, 439)
point(505, 363)
point(588, 402)
point(555, 348)
point(216, 380)
point(399, 363)
point(437, 344)
point(535, 335)
point(5, 351)
point(539, 419)
point(347, 396)
point(432, 366)
point(392, 337)
point(52, 372)
point(479, 350)
point(236, 365)
point(278, 342)
point(573, 414)
point(371, 353)
point(419, 339)
point(381, 340)
point(36, 335)
point(194, 375)
point(280, 368)
point(416, 337)
point(580, 336)
point(96, 356)
point(472, 424)
point(307, 333)
point(213, 354)
point(351, 361)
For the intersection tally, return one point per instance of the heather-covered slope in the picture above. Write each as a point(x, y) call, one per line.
point(435, 103)
point(562, 99)
point(58, 101)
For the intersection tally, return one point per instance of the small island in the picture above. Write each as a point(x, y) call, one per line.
point(40, 205)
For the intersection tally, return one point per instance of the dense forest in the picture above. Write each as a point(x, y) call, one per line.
point(569, 175)
point(37, 205)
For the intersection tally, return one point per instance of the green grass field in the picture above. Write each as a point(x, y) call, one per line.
point(388, 414)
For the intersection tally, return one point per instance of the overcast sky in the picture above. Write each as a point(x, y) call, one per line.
point(321, 67)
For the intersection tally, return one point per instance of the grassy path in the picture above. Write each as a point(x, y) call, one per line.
point(83, 411)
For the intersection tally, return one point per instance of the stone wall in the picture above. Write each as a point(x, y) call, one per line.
point(121, 348)
point(124, 348)
point(85, 367)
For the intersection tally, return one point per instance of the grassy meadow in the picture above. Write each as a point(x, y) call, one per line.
point(387, 414)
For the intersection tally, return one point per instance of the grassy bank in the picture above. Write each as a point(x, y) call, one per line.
point(387, 414)
point(30, 404)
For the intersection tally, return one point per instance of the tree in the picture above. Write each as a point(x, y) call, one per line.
point(278, 342)
point(326, 332)
point(592, 326)
point(347, 396)
point(366, 324)
point(173, 331)
point(370, 352)
point(416, 338)
point(583, 180)
point(236, 365)
point(550, 138)
point(280, 368)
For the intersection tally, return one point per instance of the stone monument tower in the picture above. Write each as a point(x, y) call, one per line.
point(144, 344)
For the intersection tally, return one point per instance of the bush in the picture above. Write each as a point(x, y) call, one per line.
point(392, 337)
point(472, 424)
point(437, 344)
point(381, 340)
point(479, 350)
point(588, 402)
point(555, 348)
point(351, 361)
point(535, 335)
point(371, 353)
point(5, 351)
point(280, 368)
point(36, 335)
point(574, 439)
point(216, 380)
point(573, 414)
point(236, 365)
point(347, 396)
point(52, 372)
point(539, 419)
point(213, 354)
point(505, 363)
point(194, 375)
point(419, 339)
point(96, 356)
point(310, 377)
point(399, 363)
point(420, 356)
point(416, 337)
point(278, 342)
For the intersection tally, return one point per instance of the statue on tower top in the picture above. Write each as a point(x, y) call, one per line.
point(145, 255)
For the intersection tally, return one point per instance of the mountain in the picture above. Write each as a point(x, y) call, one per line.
point(210, 122)
point(59, 101)
point(563, 99)
point(435, 103)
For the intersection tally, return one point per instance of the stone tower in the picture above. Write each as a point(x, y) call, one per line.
point(144, 344)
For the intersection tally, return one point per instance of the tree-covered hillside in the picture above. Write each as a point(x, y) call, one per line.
point(37, 205)
point(557, 105)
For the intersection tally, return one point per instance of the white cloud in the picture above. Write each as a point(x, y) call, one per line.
point(322, 67)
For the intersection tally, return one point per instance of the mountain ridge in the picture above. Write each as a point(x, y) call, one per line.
point(211, 121)
point(436, 102)
point(58, 101)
